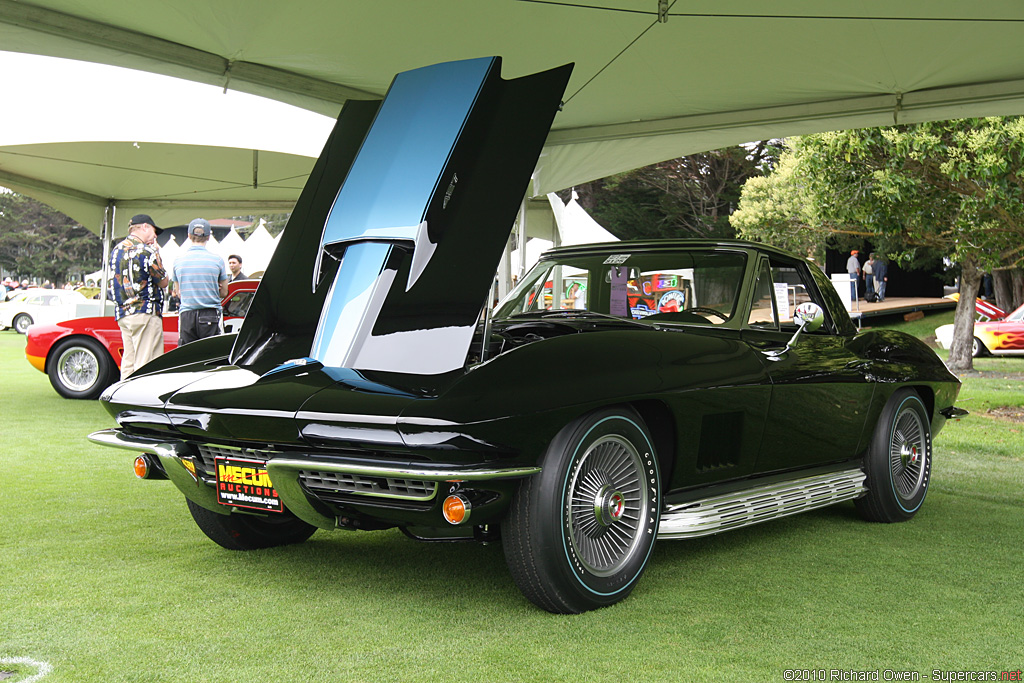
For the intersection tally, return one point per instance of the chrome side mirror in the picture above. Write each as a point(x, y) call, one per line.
point(810, 317)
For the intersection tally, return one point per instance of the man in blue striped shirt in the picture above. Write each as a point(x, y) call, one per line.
point(201, 279)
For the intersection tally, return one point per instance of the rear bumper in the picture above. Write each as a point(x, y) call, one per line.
point(373, 485)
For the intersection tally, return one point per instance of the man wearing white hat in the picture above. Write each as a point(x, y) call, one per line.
point(202, 281)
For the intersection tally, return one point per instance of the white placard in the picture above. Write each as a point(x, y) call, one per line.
point(782, 300)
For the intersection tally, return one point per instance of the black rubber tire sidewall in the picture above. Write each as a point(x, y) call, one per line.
point(883, 503)
point(15, 322)
point(538, 547)
point(105, 372)
point(249, 532)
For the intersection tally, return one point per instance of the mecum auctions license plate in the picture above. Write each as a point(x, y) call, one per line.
point(245, 483)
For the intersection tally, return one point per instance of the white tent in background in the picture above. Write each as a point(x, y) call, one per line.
point(575, 225)
point(534, 248)
point(233, 243)
point(257, 250)
point(168, 253)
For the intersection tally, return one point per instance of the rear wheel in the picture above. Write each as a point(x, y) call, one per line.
point(579, 534)
point(21, 323)
point(249, 532)
point(898, 463)
point(81, 368)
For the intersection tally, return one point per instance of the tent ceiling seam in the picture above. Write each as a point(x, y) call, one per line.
point(104, 36)
point(889, 103)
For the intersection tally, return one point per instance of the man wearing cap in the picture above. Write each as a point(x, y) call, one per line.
point(202, 281)
point(137, 281)
point(853, 268)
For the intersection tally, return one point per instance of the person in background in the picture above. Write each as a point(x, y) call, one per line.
point(235, 266)
point(869, 277)
point(137, 286)
point(201, 280)
point(881, 277)
point(853, 268)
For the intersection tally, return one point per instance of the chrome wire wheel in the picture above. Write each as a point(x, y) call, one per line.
point(21, 323)
point(607, 500)
point(78, 368)
point(907, 453)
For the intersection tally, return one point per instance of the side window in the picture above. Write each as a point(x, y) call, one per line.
point(238, 305)
point(793, 286)
point(762, 310)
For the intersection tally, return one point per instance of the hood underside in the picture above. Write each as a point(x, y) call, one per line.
point(402, 238)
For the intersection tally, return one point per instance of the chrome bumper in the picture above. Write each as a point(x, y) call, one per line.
point(284, 473)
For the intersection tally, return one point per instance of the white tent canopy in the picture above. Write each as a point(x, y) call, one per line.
point(653, 80)
point(172, 183)
point(148, 144)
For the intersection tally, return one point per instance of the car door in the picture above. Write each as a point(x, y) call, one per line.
point(820, 395)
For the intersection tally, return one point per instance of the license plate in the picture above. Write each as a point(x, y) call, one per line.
point(245, 483)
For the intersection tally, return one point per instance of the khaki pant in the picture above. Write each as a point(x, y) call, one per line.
point(143, 338)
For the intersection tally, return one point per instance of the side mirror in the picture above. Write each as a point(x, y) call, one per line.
point(810, 317)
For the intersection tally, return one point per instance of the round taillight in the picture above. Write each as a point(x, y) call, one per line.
point(456, 508)
point(141, 467)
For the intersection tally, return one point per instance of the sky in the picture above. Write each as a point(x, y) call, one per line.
point(47, 99)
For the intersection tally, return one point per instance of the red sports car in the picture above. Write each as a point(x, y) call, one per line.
point(83, 356)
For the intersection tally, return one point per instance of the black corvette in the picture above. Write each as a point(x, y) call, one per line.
point(622, 392)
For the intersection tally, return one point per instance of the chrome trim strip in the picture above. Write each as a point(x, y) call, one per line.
point(760, 504)
point(409, 471)
point(170, 452)
point(427, 489)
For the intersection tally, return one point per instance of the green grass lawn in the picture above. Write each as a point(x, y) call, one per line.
point(106, 578)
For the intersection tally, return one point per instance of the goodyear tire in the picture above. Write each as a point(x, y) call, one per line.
point(81, 368)
point(249, 532)
point(579, 534)
point(21, 323)
point(899, 460)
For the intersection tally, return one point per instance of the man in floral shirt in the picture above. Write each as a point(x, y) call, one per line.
point(137, 282)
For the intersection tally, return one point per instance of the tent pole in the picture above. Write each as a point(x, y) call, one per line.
point(522, 240)
point(108, 229)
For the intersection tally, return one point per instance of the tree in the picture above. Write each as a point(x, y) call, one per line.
point(37, 241)
point(952, 185)
point(691, 196)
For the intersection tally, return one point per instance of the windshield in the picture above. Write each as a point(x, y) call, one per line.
point(695, 286)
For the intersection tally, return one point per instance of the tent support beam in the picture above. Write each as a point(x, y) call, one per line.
point(53, 188)
point(157, 50)
point(911, 106)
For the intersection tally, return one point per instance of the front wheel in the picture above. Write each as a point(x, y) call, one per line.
point(899, 461)
point(249, 532)
point(578, 534)
point(81, 368)
point(978, 348)
point(21, 323)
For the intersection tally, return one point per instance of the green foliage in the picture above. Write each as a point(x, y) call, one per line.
point(691, 196)
point(953, 186)
point(37, 241)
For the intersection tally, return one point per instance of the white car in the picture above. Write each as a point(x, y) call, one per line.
point(39, 306)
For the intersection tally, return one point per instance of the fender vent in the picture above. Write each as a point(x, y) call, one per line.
point(719, 441)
